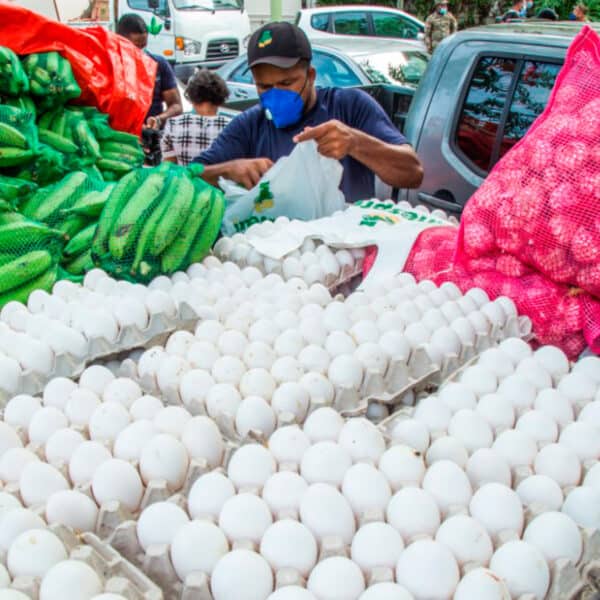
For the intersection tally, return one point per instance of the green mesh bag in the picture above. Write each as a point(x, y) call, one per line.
point(51, 79)
point(25, 103)
point(47, 166)
point(13, 79)
point(156, 221)
point(18, 136)
point(13, 189)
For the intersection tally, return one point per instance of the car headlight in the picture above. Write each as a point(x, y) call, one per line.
point(188, 46)
point(245, 41)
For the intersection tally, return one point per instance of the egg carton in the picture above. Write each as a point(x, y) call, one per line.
point(118, 575)
point(129, 338)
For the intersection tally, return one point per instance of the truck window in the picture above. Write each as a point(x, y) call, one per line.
point(531, 95)
point(242, 74)
point(320, 22)
point(351, 23)
point(143, 5)
point(482, 110)
point(333, 72)
point(390, 25)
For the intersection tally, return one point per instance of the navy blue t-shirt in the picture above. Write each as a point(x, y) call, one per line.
point(165, 80)
point(252, 135)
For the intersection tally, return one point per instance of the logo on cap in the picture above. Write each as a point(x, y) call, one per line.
point(265, 39)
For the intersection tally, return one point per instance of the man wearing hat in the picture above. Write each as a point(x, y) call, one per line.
point(347, 124)
point(439, 25)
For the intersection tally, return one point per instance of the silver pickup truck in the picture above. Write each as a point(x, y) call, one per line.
point(481, 91)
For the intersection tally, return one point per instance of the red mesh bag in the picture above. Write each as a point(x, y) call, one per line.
point(114, 75)
point(538, 208)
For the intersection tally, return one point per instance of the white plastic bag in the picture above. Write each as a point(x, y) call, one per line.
point(304, 185)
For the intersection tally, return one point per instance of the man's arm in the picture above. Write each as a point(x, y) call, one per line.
point(395, 164)
point(245, 171)
point(427, 36)
point(169, 94)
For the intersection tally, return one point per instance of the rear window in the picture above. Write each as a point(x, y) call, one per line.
point(504, 97)
point(391, 25)
point(351, 23)
point(320, 22)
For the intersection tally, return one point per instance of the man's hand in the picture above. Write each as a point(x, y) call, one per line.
point(153, 123)
point(247, 171)
point(334, 139)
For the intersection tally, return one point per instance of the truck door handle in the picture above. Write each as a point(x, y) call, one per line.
point(240, 93)
point(439, 203)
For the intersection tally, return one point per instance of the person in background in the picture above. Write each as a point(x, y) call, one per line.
point(517, 11)
point(439, 25)
point(346, 124)
point(166, 101)
point(579, 13)
point(186, 136)
point(547, 13)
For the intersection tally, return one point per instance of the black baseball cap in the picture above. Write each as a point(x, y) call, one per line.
point(279, 44)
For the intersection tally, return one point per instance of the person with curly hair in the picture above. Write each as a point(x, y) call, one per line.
point(188, 135)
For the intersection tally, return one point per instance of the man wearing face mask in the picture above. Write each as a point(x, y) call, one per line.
point(347, 124)
point(439, 25)
point(516, 12)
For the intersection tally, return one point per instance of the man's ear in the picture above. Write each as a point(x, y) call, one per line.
point(312, 74)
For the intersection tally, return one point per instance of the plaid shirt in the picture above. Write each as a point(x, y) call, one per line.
point(185, 137)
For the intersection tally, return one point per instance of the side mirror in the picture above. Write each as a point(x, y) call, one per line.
point(153, 4)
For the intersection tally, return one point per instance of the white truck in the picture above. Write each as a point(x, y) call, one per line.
point(192, 33)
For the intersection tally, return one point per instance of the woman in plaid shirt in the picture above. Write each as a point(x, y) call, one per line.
point(188, 135)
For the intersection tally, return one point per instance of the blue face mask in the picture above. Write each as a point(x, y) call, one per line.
point(523, 12)
point(443, 11)
point(283, 107)
point(572, 17)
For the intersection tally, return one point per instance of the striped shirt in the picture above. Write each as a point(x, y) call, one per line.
point(185, 137)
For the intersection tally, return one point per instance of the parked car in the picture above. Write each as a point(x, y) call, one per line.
point(389, 76)
point(360, 20)
point(482, 90)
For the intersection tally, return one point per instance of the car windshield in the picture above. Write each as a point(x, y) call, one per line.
point(206, 4)
point(395, 67)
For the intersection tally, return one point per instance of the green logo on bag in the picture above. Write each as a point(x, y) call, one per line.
point(265, 39)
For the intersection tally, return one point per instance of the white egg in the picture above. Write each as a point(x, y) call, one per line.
point(61, 445)
point(57, 390)
point(540, 490)
point(73, 509)
point(82, 581)
point(324, 424)
point(556, 406)
point(255, 414)
point(487, 466)
point(447, 448)
point(577, 387)
point(366, 489)
point(291, 398)
point(554, 361)
point(288, 445)
point(287, 368)
point(34, 552)
point(251, 466)
point(467, 539)
point(419, 561)
point(412, 433)
point(583, 439)
point(376, 545)
point(197, 546)
point(85, 460)
point(519, 391)
point(319, 388)
point(20, 409)
point(497, 410)
point(481, 380)
point(202, 355)
point(172, 420)
point(336, 578)
point(223, 398)
point(245, 517)
point(588, 366)
point(289, 343)
point(471, 429)
point(402, 466)
point(482, 584)
point(314, 358)
point(148, 364)
point(458, 395)
point(107, 421)
point(448, 485)
point(497, 508)
point(117, 480)
point(516, 447)
point(556, 536)
point(413, 512)
point(395, 344)
point(159, 523)
point(289, 544)
point(592, 478)
point(345, 371)
point(12, 463)
point(362, 440)
point(209, 331)
point(15, 522)
point(325, 462)
point(327, 513)
point(312, 330)
point(582, 504)
point(531, 370)
point(539, 426)
point(164, 457)
point(43, 424)
point(291, 592)
point(242, 575)
point(131, 312)
point(80, 406)
point(39, 481)
point(523, 568)
point(283, 491)
point(208, 494)
point(497, 361)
